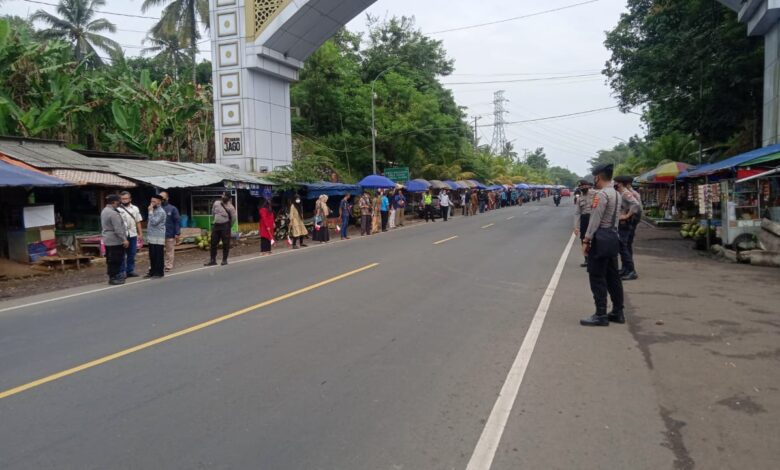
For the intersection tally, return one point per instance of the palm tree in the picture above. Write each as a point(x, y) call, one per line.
point(75, 24)
point(169, 48)
point(181, 17)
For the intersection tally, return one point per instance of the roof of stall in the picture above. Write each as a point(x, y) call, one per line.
point(754, 157)
point(315, 190)
point(14, 176)
point(164, 174)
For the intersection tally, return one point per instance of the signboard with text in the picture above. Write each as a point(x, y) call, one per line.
point(231, 143)
point(399, 174)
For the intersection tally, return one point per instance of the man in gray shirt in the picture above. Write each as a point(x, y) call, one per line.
point(601, 245)
point(630, 212)
point(114, 239)
point(224, 215)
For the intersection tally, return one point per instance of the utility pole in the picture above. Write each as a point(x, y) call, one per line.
point(499, 123)
point(476, 139)
point(373, 116)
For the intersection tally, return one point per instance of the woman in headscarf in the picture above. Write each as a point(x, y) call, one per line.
point(267, 227)
point(321, 213)
point(297, 227)
point(345, 210)
point(376, 222)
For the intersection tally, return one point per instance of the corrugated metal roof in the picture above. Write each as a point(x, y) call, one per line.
point(49, 155)
point(96, 178)
point(164, 174)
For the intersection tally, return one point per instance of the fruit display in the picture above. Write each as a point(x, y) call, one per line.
point(203, 241)
point(695, 231)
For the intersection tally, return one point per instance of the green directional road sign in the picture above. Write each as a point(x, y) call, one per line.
point(399, 175)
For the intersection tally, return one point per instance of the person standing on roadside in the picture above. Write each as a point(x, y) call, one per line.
point(155, 238)
point(321, 213)
point(582, 213)
point(223, 216)
point(172, 230)
point(474, 204)
point(444, 204)
point(132, 217)
point(629, 215)
point(345, 211)
point(390, 200)
point(114, 232)
point(464, 204)
point(428, 205)
point(601, 245)
point(365, 214)
point(267, 227)
point(297, 227)
point(384, 209)
point(399, 203)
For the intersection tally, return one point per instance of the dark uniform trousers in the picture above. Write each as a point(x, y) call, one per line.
point(220, 232)
point(604, 279)
point(626, 232)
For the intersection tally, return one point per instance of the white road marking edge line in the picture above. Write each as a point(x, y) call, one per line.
point(485, 451)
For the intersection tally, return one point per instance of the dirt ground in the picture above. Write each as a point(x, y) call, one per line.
point(709, 334)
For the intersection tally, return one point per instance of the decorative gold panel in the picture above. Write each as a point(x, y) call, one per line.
point(259, 13)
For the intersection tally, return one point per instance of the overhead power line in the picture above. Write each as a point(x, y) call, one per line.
point(515, 18)
point(105, 12)
point(590, 111)
point(519, 80)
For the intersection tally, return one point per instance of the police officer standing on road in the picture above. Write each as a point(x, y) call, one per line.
point(601, 245)
point(582, 212)
point(630, 213)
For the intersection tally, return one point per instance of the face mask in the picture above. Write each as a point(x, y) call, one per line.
point(125, 204)
point(297, 201)
point(585, 190)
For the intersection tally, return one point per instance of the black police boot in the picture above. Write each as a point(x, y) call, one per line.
point(617, 317)
point(595, 320)
point(210, 263)
point(630, 276)
point(584, 264)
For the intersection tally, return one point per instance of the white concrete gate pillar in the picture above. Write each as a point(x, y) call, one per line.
point(762, 18)
point(257, 49)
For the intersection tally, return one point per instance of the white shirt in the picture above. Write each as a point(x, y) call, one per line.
point(444, 200)
point(132, 216)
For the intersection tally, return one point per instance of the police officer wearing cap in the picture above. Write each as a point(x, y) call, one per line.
point(601, 245)
point(582, 212)
point(630, 214)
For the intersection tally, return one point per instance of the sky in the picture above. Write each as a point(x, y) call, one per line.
point(558, 44)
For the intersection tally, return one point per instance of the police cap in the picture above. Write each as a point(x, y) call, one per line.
point(584, 182)
point(625, 179)
point(606, 169)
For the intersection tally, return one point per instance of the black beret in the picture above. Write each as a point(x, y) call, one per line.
point(112, 198)
point(605, 168)
point(584, 182)
point(625, 179)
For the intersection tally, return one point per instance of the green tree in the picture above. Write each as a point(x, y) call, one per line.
point(182, 17)
point(690, 63)
point(563, 176)
point(537, 159)
point(169, 49)
point(76, 24)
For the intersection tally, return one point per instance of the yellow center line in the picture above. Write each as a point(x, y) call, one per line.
point(172, 336)
point(445, 240)
point(488, 225)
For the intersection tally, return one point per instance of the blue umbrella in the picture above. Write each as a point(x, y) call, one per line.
point(454, 186)
point(376, 182)
point(417, 186)
point(478, 185)
point(522, 186)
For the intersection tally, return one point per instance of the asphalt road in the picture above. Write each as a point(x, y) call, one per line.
point(396, 366)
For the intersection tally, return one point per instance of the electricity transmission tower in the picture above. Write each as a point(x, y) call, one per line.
point(499, 123)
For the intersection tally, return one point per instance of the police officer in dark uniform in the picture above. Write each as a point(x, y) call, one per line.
point(601, 245)
point(630, 214)
point(584, 201)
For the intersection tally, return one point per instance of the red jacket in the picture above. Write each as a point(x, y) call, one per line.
point(267, 223)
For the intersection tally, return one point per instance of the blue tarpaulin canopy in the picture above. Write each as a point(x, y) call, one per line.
point(478, 185)
point(417, 186)
point(522, 186)
point(315, 190)
point(376, 182)
point(12, 175)
point(758, 156)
